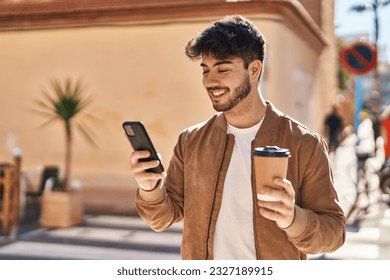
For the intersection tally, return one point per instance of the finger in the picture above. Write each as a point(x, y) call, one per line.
point(142, 166)
point(284, 203)
point(269, 214)
point(282, 215)
point(137, 155)
point(276, 194)
point(274, 206)
point(285, 185)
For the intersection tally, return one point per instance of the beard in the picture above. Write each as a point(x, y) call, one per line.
point(239, 94)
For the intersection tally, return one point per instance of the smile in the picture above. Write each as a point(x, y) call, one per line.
point(218, 92)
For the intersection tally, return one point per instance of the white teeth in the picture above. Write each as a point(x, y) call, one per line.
point(218, 92)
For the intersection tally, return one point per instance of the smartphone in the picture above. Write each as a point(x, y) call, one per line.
point(140, 140)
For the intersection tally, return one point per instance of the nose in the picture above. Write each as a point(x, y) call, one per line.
point(210, 80)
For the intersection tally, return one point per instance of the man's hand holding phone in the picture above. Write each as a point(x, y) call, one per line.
point(146, 180)
point(145, 163)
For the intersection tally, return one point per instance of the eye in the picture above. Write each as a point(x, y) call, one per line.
point(205, 72)
point(222, 71)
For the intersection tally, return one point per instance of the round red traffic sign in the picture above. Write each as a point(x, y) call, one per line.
point(359, 58)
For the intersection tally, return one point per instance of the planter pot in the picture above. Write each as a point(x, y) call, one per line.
point(61, 209)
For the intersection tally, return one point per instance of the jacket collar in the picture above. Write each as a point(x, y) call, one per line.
point(271, 119)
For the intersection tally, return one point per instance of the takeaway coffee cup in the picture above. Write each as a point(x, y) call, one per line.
point(269, 162)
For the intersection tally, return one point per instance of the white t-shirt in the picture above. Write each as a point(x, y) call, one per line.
point(234, 236)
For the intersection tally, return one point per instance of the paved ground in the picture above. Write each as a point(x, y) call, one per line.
point(99, 237)
point(128, 238)
point(370, 240)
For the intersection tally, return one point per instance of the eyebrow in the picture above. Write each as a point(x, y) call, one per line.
point(218, 63)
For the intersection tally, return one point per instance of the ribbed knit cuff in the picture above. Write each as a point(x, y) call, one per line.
point(299, 223)
point(152, 195)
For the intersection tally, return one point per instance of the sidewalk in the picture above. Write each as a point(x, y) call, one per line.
point(110, 237)
point(370, 240)
point(99, 237)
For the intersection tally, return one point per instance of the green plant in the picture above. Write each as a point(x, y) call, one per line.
point(65, 101)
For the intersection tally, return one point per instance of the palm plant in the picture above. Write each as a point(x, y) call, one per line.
point(372, 6)
point(67, 103)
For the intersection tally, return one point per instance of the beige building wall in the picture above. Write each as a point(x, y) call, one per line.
point(138, 72)
point(132, 73)
point(292, 66)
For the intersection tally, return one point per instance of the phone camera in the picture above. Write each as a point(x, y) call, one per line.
point(129, 130)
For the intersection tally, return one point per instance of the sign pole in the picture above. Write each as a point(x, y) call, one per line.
point(358, 100)
point(358, 58)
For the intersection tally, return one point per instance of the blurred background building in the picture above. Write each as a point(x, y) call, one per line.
point(367, 21)
point(130, 56)
point(384, 84)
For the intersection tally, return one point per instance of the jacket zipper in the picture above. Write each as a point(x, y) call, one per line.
point(215, 192)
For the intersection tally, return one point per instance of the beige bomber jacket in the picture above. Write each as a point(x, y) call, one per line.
point(193, 190)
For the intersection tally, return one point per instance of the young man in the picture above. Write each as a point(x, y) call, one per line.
point(209, 183)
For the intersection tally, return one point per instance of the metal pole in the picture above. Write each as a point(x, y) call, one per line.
point(358, 100)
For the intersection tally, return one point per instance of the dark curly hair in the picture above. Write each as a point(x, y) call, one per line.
point(232, 36)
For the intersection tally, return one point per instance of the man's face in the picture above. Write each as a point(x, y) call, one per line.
point(226, 81)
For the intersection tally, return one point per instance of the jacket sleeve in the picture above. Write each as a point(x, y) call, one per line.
point(319, 219)
point(163, 206)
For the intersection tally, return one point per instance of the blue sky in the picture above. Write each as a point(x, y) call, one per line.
point(351, 25)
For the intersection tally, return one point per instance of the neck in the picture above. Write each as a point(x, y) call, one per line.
point(248, 112)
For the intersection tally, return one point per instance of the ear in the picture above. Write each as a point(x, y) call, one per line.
point(254, 69)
